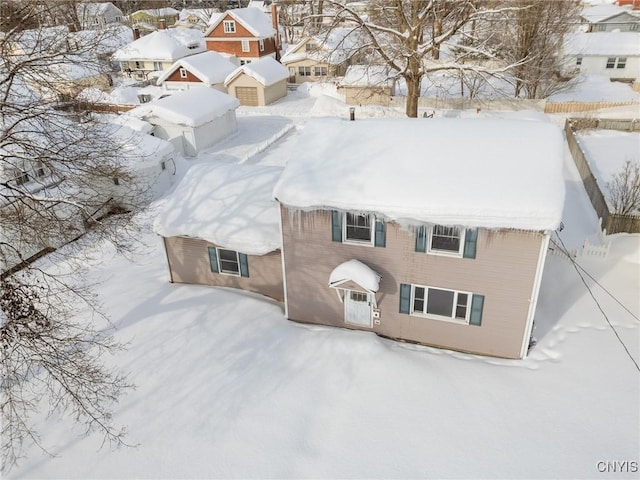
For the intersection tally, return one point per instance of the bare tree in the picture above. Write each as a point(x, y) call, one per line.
point(624, 189)
point(532, 39)
point(408, 36)
point(58, 175)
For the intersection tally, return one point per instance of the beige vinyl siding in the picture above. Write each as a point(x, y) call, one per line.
point(189, 263)
point(503, 271)
point(266, 95)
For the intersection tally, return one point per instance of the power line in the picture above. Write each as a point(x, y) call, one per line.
point(575, 266)
point(566, 252)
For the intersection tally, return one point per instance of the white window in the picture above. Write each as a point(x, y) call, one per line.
point(20, 177)
point(578, 60)
point(261, 42)
point(229, 26)
point(446, 240)
point(183, 73)
point(319, 71)
point(228, 261)
point(616, 62)
point(139, 65)
point(358, 228)
point(38, 170)
point(304, 71)
point(157, 66)
point(440, 303)
point(245, 45)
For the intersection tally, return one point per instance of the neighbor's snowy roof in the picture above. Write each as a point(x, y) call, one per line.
point(253, 19)
point(92, 9)
point(267, 71)
point(190, 107)
point(357, 272)
point(106, 41)
point(603, 43)
point(599, 13)
point(210, 67)
point(158, 12)
point(169, 45)
point(490, 173)
point(367, 76)
point(229, 205)
point(334, 47)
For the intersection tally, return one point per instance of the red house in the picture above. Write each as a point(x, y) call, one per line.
point(247, 33)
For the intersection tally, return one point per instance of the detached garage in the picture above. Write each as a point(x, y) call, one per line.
point(258, 83)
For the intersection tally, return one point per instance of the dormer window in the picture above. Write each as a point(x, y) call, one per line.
point(192, 46)
point(311, 47)
point(183, 73)
point(229, 26)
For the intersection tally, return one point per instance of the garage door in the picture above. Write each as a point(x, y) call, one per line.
point(247, 95)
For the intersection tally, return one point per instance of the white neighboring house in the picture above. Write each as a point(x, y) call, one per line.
point(207, 69)
point(158, 51)
point(615, 55)
point(98, 15)
point(258, 83)
point(607, 17)
point(191, 120)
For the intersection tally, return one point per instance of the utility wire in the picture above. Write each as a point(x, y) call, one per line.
point(566, 252)
point(564, 249)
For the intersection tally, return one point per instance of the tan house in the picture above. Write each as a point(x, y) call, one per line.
point(247, 33)
point(367, 85)
point(323, 56)
point(433, 231)
point(258, 83)
point(221, 228)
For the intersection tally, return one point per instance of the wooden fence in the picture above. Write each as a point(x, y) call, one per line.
point(472, 103)
point(611, 222)
point(576, 107)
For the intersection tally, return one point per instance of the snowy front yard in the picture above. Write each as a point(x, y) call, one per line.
point(228, 388)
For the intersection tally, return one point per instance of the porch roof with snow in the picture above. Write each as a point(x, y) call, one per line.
point(357, 272)
point(210, 67)
point(190, 107)
point(468, 172)
point(266, 71)
point(229, 205)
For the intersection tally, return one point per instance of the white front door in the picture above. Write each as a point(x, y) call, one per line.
point(357, 308)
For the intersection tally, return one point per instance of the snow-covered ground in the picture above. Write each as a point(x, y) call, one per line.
point(228, 388)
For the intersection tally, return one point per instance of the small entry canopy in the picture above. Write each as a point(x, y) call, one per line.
point(357, 272)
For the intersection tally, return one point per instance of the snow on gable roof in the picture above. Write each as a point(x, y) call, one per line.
point(210, 67)
point(267, 71)
point(599, 13)
point(253, 19)
point(158, 12)
point(603, 43)
point(229, 205)
point(169, 44)
point(367, 76)
point(335, 46)
point(490, 173)
point(190, 107)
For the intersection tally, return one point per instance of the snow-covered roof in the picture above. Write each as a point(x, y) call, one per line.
point(267, 71)
point(229, 205)
point(367, 76)
point(143, 150)
point(334, 47)
point(158, 12)
point(253, 19)
point(210, 67)
point(190, 107)
point(599, 13)
point(490, 173)
point(169, 44)
point(106, 41)
point(87, 10)
point(357, 272)
point(603, 43)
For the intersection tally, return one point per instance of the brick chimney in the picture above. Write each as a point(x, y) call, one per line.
point(162, 24)
point(136, 33)
point(274, 21)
